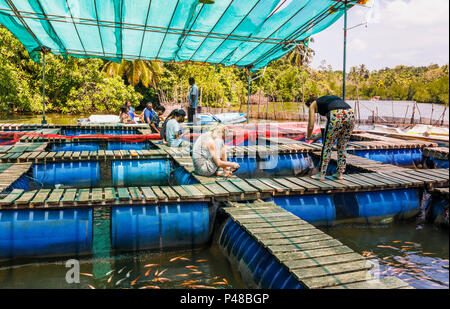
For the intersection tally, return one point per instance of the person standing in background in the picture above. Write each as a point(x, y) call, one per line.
point(193, 100)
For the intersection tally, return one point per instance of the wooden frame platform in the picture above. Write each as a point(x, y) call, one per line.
point(316, 259)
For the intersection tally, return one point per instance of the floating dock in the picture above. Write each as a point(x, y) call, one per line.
point(155, 199)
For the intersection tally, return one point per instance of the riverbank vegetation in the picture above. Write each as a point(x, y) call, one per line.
point(97, 86)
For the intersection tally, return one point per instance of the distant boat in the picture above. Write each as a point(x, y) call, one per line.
point(95, 119)
point(226, 118)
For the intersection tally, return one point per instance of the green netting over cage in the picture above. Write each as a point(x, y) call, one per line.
point(243, 33)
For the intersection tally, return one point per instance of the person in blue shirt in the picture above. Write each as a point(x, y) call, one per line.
point(148, 114)
point(131, 111)
point(193, 100)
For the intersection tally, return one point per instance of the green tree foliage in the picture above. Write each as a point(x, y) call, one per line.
point(94, 85)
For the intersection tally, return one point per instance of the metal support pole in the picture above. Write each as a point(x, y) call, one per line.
point(43, 87)
point(248, 97)
point(345, 51)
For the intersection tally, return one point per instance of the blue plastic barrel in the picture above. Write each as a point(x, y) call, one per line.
point(45, 233)
point(72, 174)
point(403, 203)
point(182, 177)
point(160, 227)
point(437, 163)
point(128, 146)
point(75, 146)
point(317, 209)
point(391, 156)
point(263, 268)
point(141, 172)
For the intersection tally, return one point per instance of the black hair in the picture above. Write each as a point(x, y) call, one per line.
point(124, 109)
point(191, 80)
point(310, 100)
point(181, 112)
point(160, 108)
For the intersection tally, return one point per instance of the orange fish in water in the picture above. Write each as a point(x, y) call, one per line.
point(86, 274)
point(134, 281)
point(201, 287)
point(175, 258)
point(191, 266)
point(225, 281)
point(196, 273)
point(427, 253)
point(151, 287)
point(148, 271)
point(411, 243)
point(389, 247)
point(201, 261)
point(90, 286)
point(182, 275)
point(110, 278)
point(162, 272)
point(189, 282)
point(184, 259)
point(396, 241)
point(161, 280)
point(151, 265)
point(218, 283)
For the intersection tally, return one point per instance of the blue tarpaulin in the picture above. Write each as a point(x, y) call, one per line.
point(243, 33)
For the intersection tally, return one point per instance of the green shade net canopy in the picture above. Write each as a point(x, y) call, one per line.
point(241, 33)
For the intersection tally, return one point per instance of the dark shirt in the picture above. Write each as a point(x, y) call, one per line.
point(163, 129)
point(155, 121)
point(329, 103)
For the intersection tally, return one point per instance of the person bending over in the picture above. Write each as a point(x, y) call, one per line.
point(154, 122)
point(339, 126)
point(209, 154)
point(174, 134)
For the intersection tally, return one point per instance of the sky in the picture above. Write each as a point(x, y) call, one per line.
point(399, 32)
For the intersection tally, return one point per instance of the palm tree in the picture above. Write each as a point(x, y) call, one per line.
point(147, 72)
point(300, 55)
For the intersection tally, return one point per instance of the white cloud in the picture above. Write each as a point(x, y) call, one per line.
point(408, 32)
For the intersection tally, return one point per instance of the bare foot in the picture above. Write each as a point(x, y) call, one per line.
point(338, 177)
point(318, 177)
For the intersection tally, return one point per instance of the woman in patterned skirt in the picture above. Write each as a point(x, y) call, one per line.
point(340, 124)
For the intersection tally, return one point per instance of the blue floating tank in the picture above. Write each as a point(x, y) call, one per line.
point(158, 227)
point(72, 174)
point(127, 146)
point(317, 209)
point(391, 156)
point(403, 203)
point(45, 233)
point(437, 163)
point(248, 165)
point(182, 177)
point(256, 264)
point(438, 209)
point(75, 146)
point(141, 172)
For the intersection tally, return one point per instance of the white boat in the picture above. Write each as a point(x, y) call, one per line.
point(96, 119)
point(421, 132)
point(226, 118)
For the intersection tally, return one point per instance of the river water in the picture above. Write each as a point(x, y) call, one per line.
point(417, 254)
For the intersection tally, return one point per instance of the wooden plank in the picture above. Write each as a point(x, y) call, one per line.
point(25, 198)
point(159, 193)
point(277, 186)
point(321, 184)
point(55, 196)
point(262, 187)
point(244, 186)
point(333, 269)
point(11, 197)
point(83, 195)
point(306, 246)
point(383, 283)
point(110, 194)
point(123, 194)
point(149, 195)
point(181, 192)
point(69, 196)
point(171, 194)
point(97, 195)
point(230, 187)
point(219, 191)
point(292, 187)
point(323, 261)
point(40, 197)
point(339, 279)
point(193, 191)
point(308, 186)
